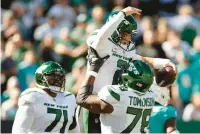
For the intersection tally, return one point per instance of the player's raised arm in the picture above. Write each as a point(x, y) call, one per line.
point(85, 98)
point(114, 21)
point(156, 63)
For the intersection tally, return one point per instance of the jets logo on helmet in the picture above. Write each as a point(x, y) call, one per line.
point(126, 22)
point(133, 68)
point(138, 76)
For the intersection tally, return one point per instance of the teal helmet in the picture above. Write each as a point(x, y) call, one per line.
point(138, 76)
point(128, 25)
point(50, 75)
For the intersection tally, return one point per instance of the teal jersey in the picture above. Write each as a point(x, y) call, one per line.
point(196, 86)
point(160, 114)
point(184, 81)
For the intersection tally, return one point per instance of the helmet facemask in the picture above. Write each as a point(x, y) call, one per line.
point(50, 75)
point(55, 81)
point(126, 28)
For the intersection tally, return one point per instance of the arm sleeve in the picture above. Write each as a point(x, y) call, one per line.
point(24, 118)
point(137, 57)
point(96, 38)
point(111, 26)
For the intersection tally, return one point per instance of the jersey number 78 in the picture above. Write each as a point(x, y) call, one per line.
point(138, 113)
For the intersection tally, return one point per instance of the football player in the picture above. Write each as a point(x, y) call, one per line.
point(163, 117)
point(116, 40)
point(124, 108)
point(46, 108)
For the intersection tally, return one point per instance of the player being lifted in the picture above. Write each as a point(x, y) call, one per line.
point(116, 41)
point(163, 117)
point(46, 108)
point(126, 107)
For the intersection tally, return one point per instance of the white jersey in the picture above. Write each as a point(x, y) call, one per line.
point(39, 113)
point(100, 40)
point(132, 110)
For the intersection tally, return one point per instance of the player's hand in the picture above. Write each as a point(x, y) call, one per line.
point(94, 60)
point(173, 66)
point(131, 10)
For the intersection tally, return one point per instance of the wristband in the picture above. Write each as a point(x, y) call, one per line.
point(158, 63)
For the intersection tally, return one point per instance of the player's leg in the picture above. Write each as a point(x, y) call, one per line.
point(91, 122)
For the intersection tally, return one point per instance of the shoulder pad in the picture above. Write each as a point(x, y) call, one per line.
point(110, 94)
point(29, 91)
point(68, 95)
point(28, 96)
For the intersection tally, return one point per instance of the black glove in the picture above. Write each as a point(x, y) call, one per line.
point(94, 60)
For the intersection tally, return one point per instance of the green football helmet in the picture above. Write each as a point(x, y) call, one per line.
point(138, 76)
point(128, 25)
point(50, 75)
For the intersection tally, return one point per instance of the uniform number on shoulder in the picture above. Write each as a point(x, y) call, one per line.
point(138, 113)
point(58, 113)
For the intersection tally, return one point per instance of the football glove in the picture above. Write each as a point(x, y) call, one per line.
point(95, 60)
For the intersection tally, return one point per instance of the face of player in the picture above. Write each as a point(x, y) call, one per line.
point(126, 37)
point(55, 80)
point(55, 83)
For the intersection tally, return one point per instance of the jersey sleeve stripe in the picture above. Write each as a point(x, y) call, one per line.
point(93, 33)
point(114, 94)
point(68, 95)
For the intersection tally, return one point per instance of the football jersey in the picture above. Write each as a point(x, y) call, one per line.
point(132, 110)
point(44, 113)
point(101, 41)
point(160, 114)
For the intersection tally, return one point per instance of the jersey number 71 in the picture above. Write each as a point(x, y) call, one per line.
point(58, 113)
point(138, 113)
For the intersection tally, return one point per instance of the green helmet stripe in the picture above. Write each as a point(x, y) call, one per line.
point(138, 76)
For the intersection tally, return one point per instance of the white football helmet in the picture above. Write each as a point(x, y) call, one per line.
point(161, 94)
